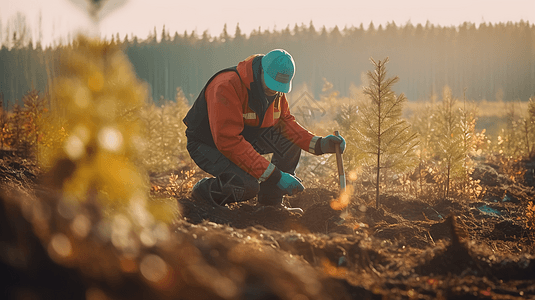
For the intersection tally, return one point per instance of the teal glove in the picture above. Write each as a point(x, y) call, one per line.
point(290, 184)
point(328, 142)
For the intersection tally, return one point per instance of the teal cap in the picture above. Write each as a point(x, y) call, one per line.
point(279, 69)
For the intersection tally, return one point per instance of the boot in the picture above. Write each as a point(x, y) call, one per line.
point(202, 191)
point(271, 196)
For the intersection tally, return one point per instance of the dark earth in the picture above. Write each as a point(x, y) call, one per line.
point(408, 248)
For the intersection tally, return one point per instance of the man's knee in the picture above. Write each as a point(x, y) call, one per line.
point(228, 187)
point(208, 158)
point(238, 188)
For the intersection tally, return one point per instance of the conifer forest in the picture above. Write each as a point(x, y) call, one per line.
point(439, 202)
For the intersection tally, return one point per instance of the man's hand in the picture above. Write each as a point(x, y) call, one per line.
point(290, 184)
point(328, 143)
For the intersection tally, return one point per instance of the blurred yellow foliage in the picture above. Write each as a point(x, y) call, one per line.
point(97, 89)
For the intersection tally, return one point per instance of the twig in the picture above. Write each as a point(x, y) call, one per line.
point(434, 244)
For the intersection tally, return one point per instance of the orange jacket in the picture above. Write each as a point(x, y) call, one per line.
point(229, 112)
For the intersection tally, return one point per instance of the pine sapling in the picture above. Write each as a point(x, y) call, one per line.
point(512, 133)
point(384, 138)
point(34, 119)
point(422, 122)
point(165, 149)
point(469, 140)
point(15, 127)
point(528, 130)
point(346, 116)
point(448, 141)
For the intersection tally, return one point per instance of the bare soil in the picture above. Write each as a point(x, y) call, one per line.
point(408, 248)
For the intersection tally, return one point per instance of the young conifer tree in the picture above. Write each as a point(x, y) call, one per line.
point(165, 147)
point(512, 134)
point(422, 123)
point(34, 121)
point(531, 108)
point(150, 115)
point(385, 139)
point(448, 141)
point(528, 130)
point(469, 141)
point(346, 116)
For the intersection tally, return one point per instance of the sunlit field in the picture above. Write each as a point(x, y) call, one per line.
point(96, 180)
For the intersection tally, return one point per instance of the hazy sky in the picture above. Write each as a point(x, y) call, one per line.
point(139, 17)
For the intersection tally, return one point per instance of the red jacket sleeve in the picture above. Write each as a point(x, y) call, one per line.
point(225, 113)
point(292, 129)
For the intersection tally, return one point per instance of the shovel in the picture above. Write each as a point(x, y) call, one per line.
point(340, 164)
point(342, 177)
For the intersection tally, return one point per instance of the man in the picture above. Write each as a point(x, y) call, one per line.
point(242, 113)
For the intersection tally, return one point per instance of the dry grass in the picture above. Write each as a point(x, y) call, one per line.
point(485, 108)
point(492, 116)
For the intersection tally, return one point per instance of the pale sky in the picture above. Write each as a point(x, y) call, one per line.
point(139, 17)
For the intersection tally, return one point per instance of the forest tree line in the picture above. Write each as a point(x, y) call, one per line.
point(489, 61)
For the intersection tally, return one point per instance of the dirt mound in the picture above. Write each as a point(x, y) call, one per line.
point(407, 248)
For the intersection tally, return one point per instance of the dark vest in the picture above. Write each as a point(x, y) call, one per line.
point(196, 120)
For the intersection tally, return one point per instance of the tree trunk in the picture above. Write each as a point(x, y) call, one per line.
point(377, 180)
point(448, 181)
point(379, 99)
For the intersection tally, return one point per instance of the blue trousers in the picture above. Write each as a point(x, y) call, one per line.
point(231, 183)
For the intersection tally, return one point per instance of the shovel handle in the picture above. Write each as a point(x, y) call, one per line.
point(340, 164)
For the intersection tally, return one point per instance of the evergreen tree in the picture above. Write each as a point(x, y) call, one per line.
point(529, 130)
point(512, 133)
point(165, 148)
point(422, 122)
point(224, 36)
point(150, 116)
point(470, 141)
point(346, 116)
point(165, 37)
point(35, 108)
point(386, 141)
point(15, 135)
point(448, 140)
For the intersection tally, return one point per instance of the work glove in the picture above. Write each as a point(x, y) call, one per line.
point(290, 184)
point(328, 143)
